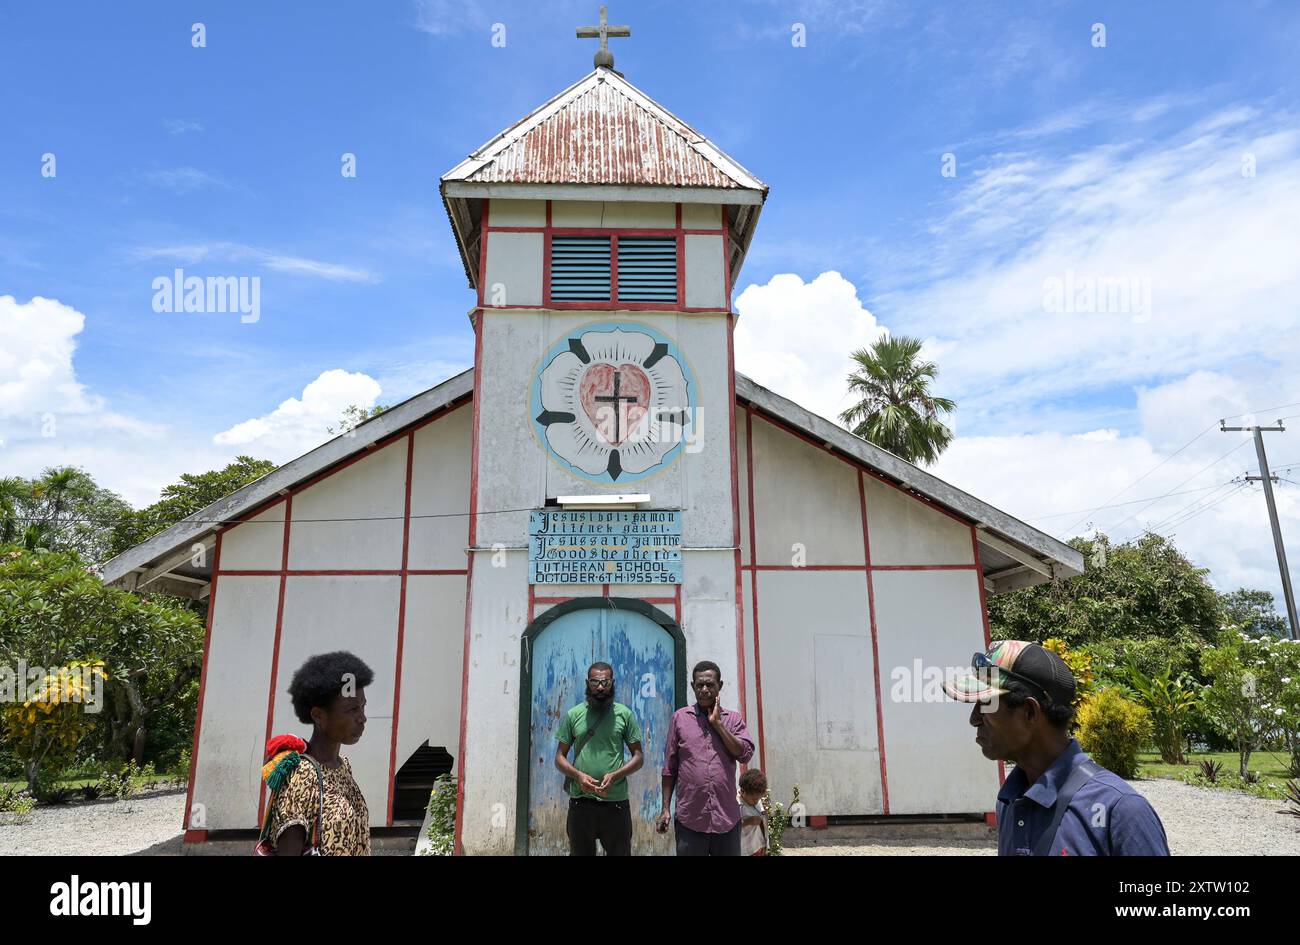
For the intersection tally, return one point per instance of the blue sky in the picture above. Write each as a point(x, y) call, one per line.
point(1119, 161)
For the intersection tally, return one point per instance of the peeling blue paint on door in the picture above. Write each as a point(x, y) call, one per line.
point(642, 654)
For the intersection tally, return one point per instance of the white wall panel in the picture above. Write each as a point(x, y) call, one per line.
point(233, 728)
point(440, 489)
point(934, 764)
point(514, 262)
point(815, 638)
point(905, 530)
point(255, 545)
point(701, 216)
point(357, 614)
point(432, 647)
point(705, 287)
point(352, 520)
point(804, 496)
point(516, 212)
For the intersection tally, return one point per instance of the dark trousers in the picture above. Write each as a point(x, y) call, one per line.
point(693, 843)
point(610, 822)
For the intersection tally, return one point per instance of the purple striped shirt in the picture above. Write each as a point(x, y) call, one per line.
point(704, 769)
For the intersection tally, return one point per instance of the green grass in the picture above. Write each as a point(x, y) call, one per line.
point(1271, 766)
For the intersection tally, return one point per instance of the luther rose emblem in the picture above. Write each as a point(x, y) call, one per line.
point(612, 403)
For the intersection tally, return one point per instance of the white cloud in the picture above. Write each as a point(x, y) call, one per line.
point(299, 424)
point(182, 180)
point(449, 17)
point(49, 418)
point(191, 253)
point(37, 340)
point(795, 337)
point(180, 126)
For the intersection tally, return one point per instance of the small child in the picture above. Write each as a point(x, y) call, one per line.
point(753, 819)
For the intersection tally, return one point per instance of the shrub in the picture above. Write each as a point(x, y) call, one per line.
point(1113, 730)
point(442, 817)
point(1210, 770)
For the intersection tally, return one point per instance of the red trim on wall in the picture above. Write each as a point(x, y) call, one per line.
point(856, 464)
point(482, 250)
point(859, 567)
point(195, 836)
point(203, 688)
point(275, 650)
point(344, 464)
point(401, 623)
point(284, 571)
point(875, 644)
point(549, 230)
point(753, 585)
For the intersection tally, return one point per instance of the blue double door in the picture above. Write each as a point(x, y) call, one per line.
point(644, 648)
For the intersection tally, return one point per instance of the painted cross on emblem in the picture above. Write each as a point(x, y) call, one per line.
point(613, 402)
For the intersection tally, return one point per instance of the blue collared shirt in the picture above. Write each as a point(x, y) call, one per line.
point(1106, 817)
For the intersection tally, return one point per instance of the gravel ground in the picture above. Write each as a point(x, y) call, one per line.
point(148, 824)
point(1198, 821)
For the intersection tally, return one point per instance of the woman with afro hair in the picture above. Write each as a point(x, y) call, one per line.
point(316, 806)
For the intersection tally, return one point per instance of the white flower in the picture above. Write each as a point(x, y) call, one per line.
point(1277, 711)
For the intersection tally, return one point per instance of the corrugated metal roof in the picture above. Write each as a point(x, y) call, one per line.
point(603, 137)
point(603, 130)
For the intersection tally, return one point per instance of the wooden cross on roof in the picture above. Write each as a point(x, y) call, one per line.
point(604, 59)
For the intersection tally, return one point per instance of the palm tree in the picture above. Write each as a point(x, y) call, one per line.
point(895, 409)
point(13, 493)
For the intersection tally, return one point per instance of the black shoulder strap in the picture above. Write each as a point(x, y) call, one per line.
point(586, 736)
point(1083, 772)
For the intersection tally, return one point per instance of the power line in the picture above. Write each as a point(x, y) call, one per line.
point(1039, 518)
point(1136, 481)
point(1211, 498)
point(295, 521)
point(1183, 483)
point(1223, 498)
point(1249, 413)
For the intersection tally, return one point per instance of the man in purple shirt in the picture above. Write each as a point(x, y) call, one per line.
point(704, 743)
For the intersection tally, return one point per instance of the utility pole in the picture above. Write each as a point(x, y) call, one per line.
point(1267, 479)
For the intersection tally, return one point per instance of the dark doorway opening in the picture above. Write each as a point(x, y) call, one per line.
point(414, 781)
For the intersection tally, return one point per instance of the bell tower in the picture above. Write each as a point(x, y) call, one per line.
point(602, 236)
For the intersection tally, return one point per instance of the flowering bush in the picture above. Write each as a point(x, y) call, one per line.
point(1253, 697)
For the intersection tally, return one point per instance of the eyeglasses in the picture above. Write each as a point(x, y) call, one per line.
point(981, 661)
point(600, 683)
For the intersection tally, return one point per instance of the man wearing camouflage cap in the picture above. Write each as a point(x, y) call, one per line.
point(1057, 801)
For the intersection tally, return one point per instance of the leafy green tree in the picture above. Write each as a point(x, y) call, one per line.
point(54, 612)
point(1253, 611)
point(1171, 701)
point(61, 510)
point(1141, 600)
point(1246, 697)
point(194, 492)
point(894, 407)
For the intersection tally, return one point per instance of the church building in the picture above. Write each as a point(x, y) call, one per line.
point(601, 485)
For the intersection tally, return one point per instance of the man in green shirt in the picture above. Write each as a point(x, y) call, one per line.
point(597, 778)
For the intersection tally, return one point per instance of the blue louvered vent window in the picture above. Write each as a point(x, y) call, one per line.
point(580, 268)
point(647, 269)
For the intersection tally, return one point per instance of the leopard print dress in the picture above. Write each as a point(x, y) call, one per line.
point(345, 819)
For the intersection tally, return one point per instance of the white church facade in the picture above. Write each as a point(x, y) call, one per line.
point(601, 485)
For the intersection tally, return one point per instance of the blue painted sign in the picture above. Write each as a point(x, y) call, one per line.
point(598, 547)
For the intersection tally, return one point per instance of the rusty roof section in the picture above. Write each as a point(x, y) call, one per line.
point(603, 130)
